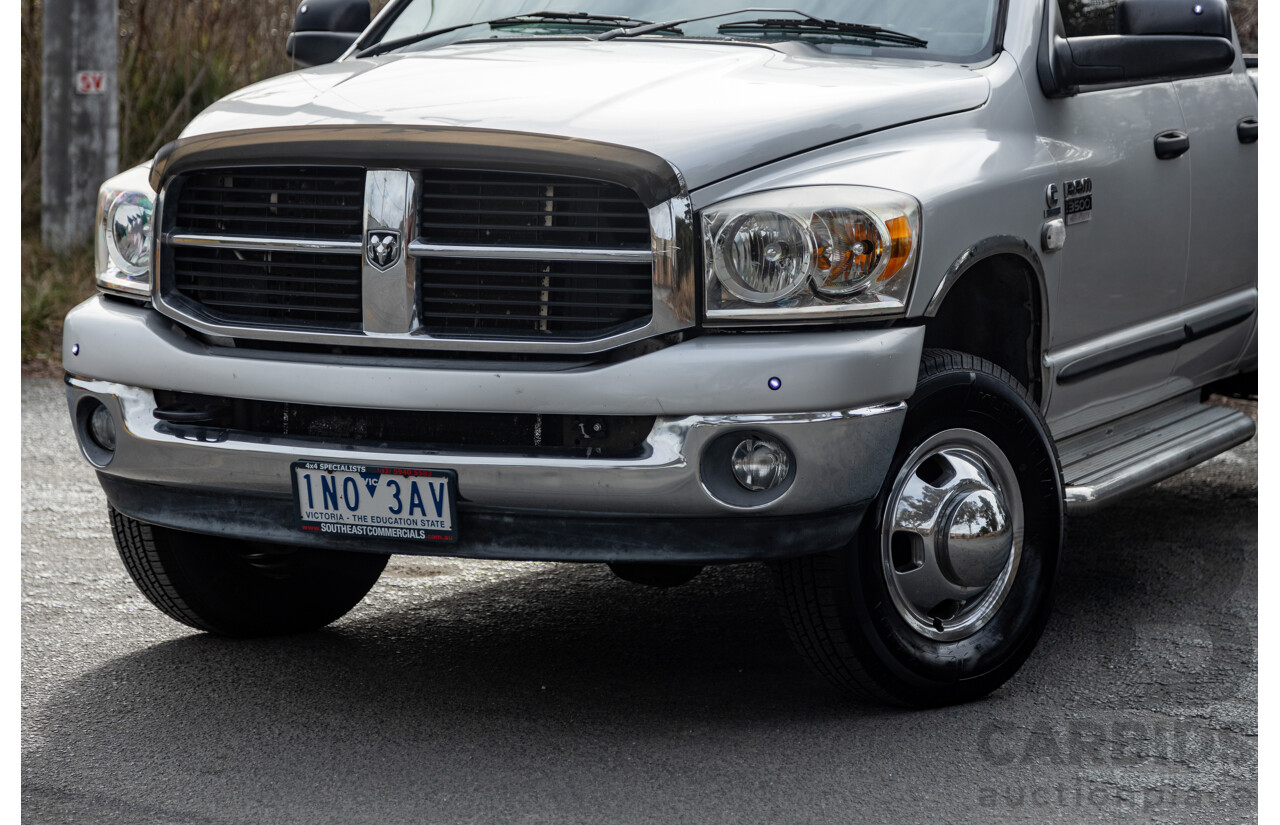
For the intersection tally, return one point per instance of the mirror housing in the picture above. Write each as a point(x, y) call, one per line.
point(1144, 17)
point(324, 29)
point(1157, 39)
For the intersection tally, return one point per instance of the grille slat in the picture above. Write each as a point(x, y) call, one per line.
point(540, 213)
point(529, 268)
point(188, 218)
point(249, 287)
point(220, 268)
point(528, 209)
point(251, 305)
point(535, 304)
point(523, 288)
point(534, 230)
point(219, 281)
point(479, 196)
point(304, 201)
point(569, 298)
point(588, 319)
point(188, 202)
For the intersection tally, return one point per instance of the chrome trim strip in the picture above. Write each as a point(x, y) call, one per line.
point(795, 316)
point(422, 249)
point(387, 293)
point(266, 244)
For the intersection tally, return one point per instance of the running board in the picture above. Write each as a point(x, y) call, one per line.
point(1145, 447)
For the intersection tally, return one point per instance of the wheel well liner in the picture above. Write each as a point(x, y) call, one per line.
point(994, 280)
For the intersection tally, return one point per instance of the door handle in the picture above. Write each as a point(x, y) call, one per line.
point(1170, 145)
point(1247, 130)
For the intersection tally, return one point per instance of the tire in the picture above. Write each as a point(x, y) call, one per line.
point(976, 455)
point(242, 588)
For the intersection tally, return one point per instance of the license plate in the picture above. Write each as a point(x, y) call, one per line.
point(369, 500)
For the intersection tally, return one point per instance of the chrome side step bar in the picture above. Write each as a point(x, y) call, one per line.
point(1145, 447)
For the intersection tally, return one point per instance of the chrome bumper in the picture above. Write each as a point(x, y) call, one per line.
point(840, 455)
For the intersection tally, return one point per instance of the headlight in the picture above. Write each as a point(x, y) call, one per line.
point(125, 206)
point(810, 254)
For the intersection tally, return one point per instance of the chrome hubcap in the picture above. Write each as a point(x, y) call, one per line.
point(952, 535)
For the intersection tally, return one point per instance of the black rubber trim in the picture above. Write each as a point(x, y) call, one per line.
point(1121, 355)
point(1155, 345)
point(504, 535)
point(1217, 322)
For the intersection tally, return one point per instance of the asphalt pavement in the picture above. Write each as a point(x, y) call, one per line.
point(482, 692)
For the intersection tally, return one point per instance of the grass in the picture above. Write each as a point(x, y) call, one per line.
point(51, 285)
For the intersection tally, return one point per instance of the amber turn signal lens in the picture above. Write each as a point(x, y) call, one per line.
point(900, 247)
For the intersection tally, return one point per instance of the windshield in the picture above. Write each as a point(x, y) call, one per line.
point(952, 30)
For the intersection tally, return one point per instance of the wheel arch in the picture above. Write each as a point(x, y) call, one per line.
point(1000, 277)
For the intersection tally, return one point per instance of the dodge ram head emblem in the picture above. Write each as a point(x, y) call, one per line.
point(382, 248)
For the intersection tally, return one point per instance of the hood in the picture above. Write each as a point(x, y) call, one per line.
point(709, 109)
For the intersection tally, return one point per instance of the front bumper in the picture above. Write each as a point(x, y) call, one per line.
point(667, 504)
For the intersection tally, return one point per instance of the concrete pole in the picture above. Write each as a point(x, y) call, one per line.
point(79, 129)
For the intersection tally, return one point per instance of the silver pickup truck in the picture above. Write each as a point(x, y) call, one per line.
point(874, 292)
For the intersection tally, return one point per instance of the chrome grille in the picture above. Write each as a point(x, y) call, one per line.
point(484, 259)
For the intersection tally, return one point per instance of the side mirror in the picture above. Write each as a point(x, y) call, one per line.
point(1156, 39)
point(324, 29)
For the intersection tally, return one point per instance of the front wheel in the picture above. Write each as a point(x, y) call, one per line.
point(948, 585)
point(242, 588)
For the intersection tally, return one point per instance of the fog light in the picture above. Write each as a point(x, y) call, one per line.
point(102, 428)
point(760, 464)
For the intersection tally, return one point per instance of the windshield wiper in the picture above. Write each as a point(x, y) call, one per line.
point(809, 25)
point(569, 17)
point(636, 31)
point(827, 27)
